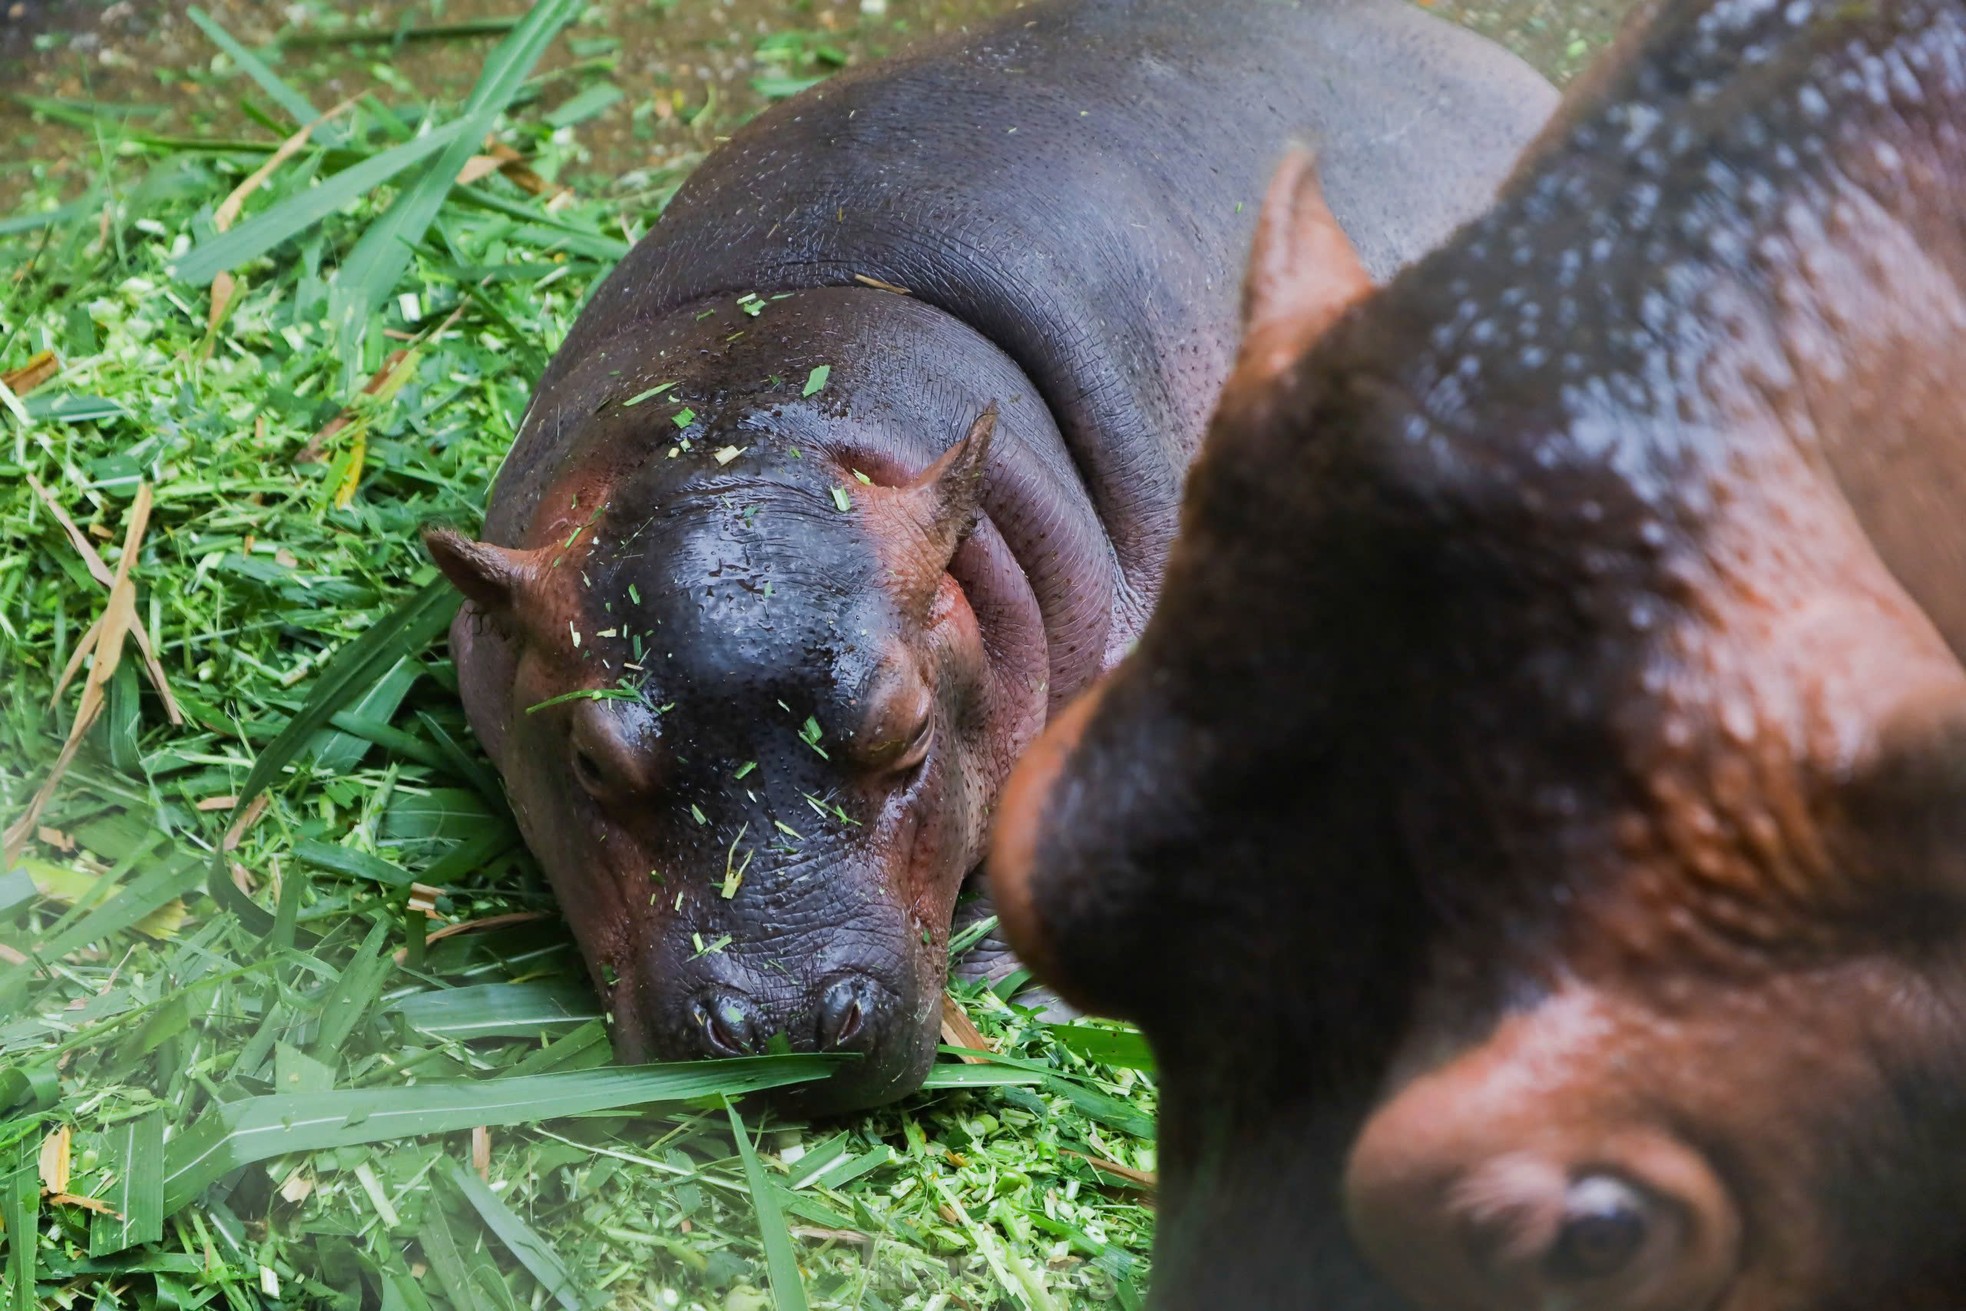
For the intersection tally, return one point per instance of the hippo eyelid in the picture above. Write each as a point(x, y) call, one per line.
point(899, 752)
point(915, 750)
point(611, 752)
point(897, 721)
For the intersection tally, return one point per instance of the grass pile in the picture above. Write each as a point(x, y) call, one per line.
point(286, 1016)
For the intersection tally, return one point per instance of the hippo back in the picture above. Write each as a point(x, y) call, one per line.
point(1077, 182)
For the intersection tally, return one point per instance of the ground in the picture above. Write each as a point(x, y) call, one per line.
point(285, 1016)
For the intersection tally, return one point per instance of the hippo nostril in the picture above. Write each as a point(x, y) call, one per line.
point(845, 1009)
point(729, 1024)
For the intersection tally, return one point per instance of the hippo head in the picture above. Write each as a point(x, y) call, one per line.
point(1541, 792)
point(753, 718)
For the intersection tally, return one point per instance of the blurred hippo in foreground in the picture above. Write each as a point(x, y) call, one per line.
point(868, 457)
point(1542, 789)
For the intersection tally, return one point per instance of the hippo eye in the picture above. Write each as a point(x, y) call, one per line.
point(916, 749)
point(899, 728)
point(1604, 1228)
point(613, 751)
point(588, 771)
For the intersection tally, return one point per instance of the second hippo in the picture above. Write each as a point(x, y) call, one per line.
point(1558, 901)
point(868, 457)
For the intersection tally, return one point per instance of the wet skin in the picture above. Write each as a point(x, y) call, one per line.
point(1555, 898)
point(812, 642)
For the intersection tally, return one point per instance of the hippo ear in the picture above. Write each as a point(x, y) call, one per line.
point(1303, 271)
point(491, 576)
point(947, 498)
point(933, 514)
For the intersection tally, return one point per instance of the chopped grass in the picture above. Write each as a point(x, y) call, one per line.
point(284, 1007)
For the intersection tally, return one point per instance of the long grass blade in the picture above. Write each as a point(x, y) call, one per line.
point(521, 1239)
point(133, 1155)
point(293, 216)
point(788, 1291)
point(20, 1207)
point(298, 107)
point(255, 1128)
point(351, 863)
point(131, 905)
point(446, 1262)
point(955, 1075)
point(25, 1089)
point(69, 407)
point(407, 630)
point(1122, 1048)
point(397, 35)
point(348, 1002)
point(48, 218)
point(371, 271)
point(1107, 1110)
point(498, 1010)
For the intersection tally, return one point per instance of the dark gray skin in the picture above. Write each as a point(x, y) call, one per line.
point(1067, 199)
point(1559, 902)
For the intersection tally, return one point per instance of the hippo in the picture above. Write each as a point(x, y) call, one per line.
point(868, 456)
point(1541, 789)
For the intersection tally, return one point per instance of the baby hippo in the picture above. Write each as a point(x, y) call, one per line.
point(1541, 793)
point(868, 456)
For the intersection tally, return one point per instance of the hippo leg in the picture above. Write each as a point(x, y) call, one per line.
point(991, 958)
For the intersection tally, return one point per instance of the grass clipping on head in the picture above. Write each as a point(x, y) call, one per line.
point(286, 1016)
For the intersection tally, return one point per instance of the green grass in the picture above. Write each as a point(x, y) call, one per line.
point(239, 1067)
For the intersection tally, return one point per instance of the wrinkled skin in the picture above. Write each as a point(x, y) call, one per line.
point(854, 609)
point(1540, 790)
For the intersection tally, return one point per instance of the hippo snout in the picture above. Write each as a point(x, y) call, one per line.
point(744, 1012)
point(850, 1011)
